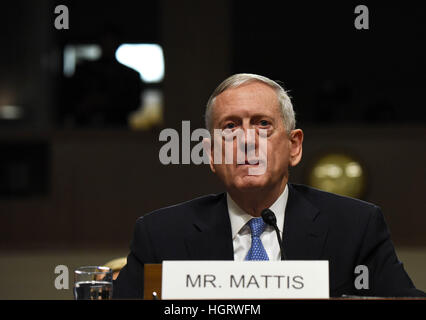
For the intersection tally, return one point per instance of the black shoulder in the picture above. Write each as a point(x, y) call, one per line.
point(156, 230)
point(319, 197)
point(178, 211)
point(337, 207)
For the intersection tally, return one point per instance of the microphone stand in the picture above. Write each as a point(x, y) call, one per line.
point(269, 218)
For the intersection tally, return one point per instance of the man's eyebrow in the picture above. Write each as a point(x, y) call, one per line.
point(238, 117)
point(229, 117)
point(262, 115)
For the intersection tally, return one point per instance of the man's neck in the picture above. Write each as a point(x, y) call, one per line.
point(253, 202)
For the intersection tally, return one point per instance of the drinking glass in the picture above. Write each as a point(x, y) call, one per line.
point(93, 283)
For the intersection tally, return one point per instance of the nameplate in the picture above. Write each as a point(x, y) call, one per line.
point(245, 280)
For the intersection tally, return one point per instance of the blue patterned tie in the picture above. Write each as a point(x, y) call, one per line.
point(257, 251)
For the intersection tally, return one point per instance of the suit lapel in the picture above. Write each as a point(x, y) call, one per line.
point(305, 229)
point(211, 238)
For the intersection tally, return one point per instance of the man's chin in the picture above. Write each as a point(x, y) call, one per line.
point(249, 183)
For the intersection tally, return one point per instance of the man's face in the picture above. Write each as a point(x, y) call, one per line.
point(253, 106)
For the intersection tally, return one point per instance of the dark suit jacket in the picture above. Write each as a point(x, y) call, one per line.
point(318, 226)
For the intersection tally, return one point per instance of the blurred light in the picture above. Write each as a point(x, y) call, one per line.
point(8, 112)
point(353, 170)
point(147, 59)
point(328, 170)
point(338, 173)
point(150, 114)
point(73, 54)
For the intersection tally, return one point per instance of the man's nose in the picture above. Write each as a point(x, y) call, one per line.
point(250, 138)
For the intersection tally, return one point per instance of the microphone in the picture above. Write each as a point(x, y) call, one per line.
point(269, 218)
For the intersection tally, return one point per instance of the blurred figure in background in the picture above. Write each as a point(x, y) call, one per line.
point(104, 92)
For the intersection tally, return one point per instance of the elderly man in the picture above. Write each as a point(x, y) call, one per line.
point(314, 225)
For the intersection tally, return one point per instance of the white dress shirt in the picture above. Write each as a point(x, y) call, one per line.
point(241, 235)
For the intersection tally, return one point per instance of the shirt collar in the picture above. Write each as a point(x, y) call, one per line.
point(239, 217)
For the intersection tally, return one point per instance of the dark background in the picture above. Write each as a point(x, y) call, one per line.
point(357, 91)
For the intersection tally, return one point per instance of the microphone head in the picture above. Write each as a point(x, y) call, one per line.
point(269, 217)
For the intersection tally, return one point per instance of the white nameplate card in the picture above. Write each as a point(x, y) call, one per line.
point(245, 280)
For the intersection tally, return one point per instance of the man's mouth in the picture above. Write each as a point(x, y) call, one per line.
point(254, 162)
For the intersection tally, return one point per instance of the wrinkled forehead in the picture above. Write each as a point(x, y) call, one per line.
point(251, 98)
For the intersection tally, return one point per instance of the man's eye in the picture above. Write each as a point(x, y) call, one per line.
point(264, 123)
point(230, 125)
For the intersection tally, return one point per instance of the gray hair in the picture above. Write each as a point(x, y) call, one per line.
point(286, 107)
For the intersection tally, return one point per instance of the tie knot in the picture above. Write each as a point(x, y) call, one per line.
point(257, 226)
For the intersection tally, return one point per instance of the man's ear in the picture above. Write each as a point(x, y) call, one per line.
point(296, 141)
point(208, 149)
